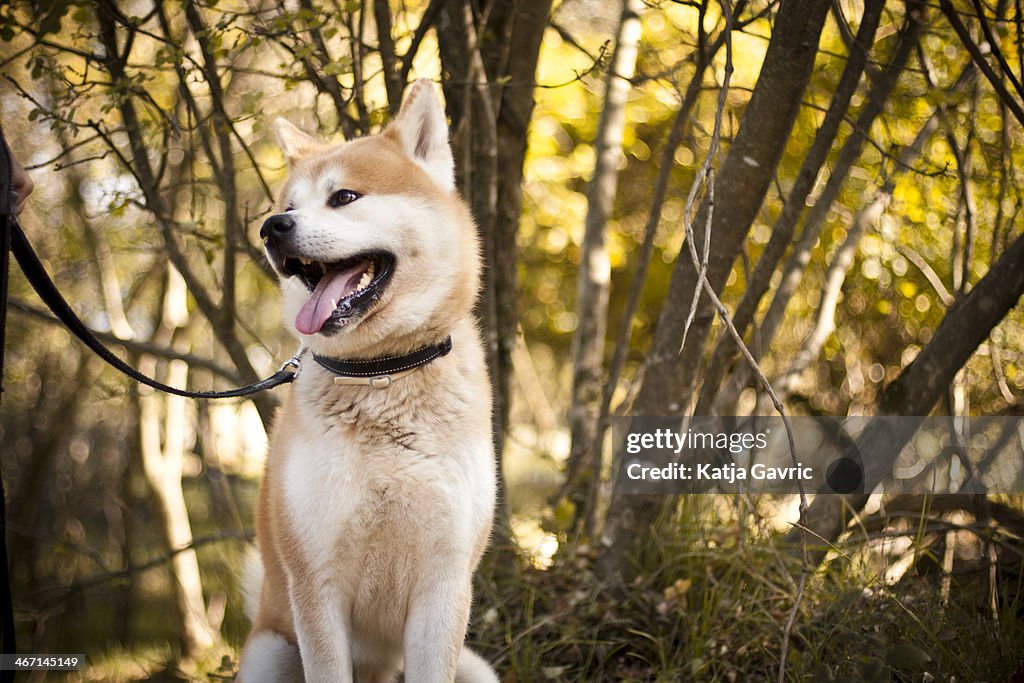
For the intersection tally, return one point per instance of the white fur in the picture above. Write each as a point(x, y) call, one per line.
point(269, 658)
point(252, 579)
point(332, 495)
point(473, 669)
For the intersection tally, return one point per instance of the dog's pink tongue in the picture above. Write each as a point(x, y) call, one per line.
point(331, 289)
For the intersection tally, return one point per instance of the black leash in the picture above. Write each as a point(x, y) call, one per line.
point(8, 204)
point(12, 239)
point(37, 276)
point(375, 372)
point(365, 370)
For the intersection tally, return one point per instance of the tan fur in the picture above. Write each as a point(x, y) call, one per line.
point(376, 505)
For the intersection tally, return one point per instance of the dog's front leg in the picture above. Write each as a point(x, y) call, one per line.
point(436, 627)
point(323, 632)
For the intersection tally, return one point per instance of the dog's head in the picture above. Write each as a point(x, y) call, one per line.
point(375, 250)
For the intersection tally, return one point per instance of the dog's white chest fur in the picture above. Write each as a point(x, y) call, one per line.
point(350, 486)
point(380, 506)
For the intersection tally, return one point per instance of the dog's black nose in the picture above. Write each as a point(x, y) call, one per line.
point(277, 226)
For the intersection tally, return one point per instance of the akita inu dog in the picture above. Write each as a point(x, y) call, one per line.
point(379, 490)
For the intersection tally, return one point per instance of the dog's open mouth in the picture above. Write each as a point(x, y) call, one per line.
point(340, 291)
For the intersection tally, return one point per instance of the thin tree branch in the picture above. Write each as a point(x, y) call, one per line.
point(993, 44)
point(426, 23)
point(979, 59)
point(135, 346)
point(64, 591)
point(785, 225)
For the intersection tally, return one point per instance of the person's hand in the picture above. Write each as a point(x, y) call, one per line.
point(23, 185)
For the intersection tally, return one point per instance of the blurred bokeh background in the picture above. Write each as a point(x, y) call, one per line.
point(875, 183)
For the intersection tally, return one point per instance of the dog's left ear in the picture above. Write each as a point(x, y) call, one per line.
point(422, 131)
point(294, 143)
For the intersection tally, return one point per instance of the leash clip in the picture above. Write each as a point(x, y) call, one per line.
point(295, 363)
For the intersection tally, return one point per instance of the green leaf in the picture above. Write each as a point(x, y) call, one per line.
point(334, 68)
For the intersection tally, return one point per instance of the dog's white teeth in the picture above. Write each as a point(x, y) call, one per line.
point(305, 261)
point(367, 277)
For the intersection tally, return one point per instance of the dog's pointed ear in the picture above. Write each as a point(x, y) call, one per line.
point(422, 131)
point(294, 143)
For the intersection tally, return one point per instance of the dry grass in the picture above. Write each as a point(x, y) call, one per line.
point(709, 603)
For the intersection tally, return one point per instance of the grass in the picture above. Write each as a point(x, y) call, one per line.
point(709, 600)
point(709, 603)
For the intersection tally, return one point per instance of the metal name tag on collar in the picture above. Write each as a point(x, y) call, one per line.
point(377, 382)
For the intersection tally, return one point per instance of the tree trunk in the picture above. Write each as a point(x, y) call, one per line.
point(800, 256)
point(703, 57)
point(162, 464)
point(594, 273)
point(922, 383)
point(785, 224)
point(745, 177)
point(491, 134)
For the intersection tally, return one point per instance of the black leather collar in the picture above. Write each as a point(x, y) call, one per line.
point(385, 365)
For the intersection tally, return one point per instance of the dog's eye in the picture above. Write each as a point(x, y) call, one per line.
point(342, 197)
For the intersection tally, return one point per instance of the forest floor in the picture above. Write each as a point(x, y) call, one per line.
point(710, 602)
point(716, 610)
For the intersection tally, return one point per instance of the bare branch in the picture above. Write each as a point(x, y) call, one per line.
point(426, 22)
point(979, 59)
point(993, 45)
point(135, 346)
point(62, 592)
